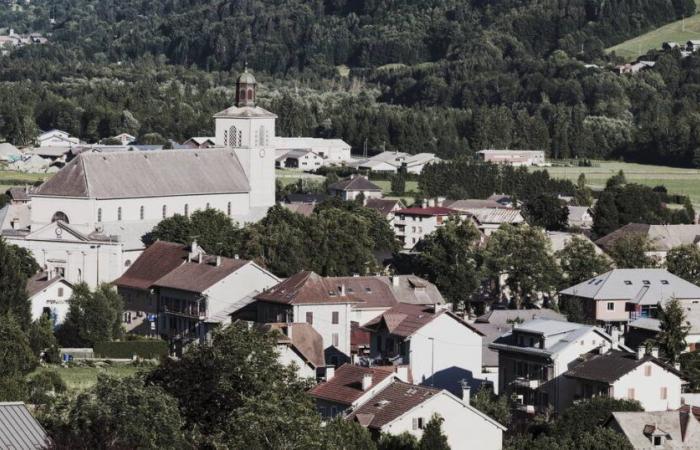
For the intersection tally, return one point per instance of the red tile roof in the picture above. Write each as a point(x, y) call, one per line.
point(155, 262)
point(405, 319)
point(346, 385)
point(432, 211)
point(198, 277)
point(41, 281)
point(395, 400)
point(304, 339)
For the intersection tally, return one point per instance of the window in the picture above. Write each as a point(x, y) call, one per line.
point(99, 214)
point(142, 212)
point(611, 306)
point(630, 394)
point(664, 393)
point(310, 318)
point(658, 441)
point(60, 292)
point(208, 206)
point(187, 210)
point(59, 215)
point(235, 137)
point(119, 213)
point(165, 211)
point(333, 411)
point(241, 94)
point(228, 209)
point(250, 94)
point(225, 138)
point(335, 339)
point(336, 317)
point(262, 137)
point(647, 370)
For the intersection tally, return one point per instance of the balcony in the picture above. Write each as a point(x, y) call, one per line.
point(527, 409)
point(526, 383)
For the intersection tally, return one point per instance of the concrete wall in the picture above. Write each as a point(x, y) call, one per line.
point(323, 323)
point(647, 389)
point(287, 356)
point(617, 314)
point(237, 285)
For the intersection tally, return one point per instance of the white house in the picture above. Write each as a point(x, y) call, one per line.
point(393, 161)
point(49, 294)
point(300, 345)
point(512, 157)
point(56, 138)
point(413, 224)
point(439, 348)
point(628, 376)
point(534, 356)
point(298, 159)
point(355, 186)
point(580, 216)
point(331, 151)
point(125, 138)
point(489, 214)
point(91, 215)
point(406, 408)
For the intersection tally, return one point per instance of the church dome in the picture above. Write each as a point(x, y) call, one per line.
point(246, 78)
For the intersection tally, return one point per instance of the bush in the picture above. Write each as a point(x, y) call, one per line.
point(44, 386)
point(126, 349)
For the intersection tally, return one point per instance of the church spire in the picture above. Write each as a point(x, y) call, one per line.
point(245, 88)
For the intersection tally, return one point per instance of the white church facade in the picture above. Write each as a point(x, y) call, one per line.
point(86, 222)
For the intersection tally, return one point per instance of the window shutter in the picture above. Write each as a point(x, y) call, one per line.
point(415, 423)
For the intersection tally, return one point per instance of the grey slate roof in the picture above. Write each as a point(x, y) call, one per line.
point(612, 366)
point(151, 174)
point(681, 429)
point(19, 430)
point(662, 237)
point(641, 286)
point(245, 111)
point(358, 183)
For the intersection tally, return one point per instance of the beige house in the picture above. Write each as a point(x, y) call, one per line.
point(355, 186)
point(512, 157)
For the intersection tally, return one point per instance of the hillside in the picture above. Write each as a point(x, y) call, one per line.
point(679, 31)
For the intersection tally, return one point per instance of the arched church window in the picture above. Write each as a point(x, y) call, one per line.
point(262, 136)
point(241, 94)
point(99, 214)
point(235, 137)
point(60, 215)
point(250, 94)
point(208, 206)
point(142, 212)
point(119, 213)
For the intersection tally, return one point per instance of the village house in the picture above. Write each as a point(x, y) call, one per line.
point(580, 217)
point(298, 159)
point(632, 68)
point(300, 345)
point(331, 151)
point(645, 328)
point(666, 430)
point(49, 295)
point(200, 142)
point(413, 224)
point(495, 324)
point(391, 162)
point(386, 207)
point(56, 138)
point(534, 356)
point(87, 221)
point(622, 295)
point(512, 157)
point(558, 241)
point(439, 348)
point(489, 214)
point(355, 186)
point(661, 237)
point(125, 138)
point(194, 292)
point(628, 376)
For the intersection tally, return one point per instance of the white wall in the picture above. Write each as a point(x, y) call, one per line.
point(322, 322)
point(414, 228)
point(55, 297)
point(287, 356)
point(363, 315)
point(455, 354)
point(464, 428)
point(647, 389)
point(237, 285)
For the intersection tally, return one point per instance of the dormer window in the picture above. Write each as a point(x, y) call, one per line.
point(628, 282)
point(658, 441)
point(646, 282)
point(664, 281)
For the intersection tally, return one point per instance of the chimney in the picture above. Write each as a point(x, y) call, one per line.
point(466, 391)
point(330, 372)
point(342, 290)
point(235, 256)
point(218, 261)
point(288, 330)
point(366, 381)
point(193, 246)
point(641, 352)
point(395, 280)
point(615, 338)
point(200, 258)
point(655, 352)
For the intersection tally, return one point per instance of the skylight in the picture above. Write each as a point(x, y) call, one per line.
point(628, 282)
point(664, 281)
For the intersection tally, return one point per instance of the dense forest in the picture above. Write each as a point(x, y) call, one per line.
point(443, 76)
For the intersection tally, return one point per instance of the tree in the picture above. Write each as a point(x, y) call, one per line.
point(684, 261)
point(16, 356)
point(433, 437)
point(579, 261)
point(496, 407)
point(450, 258)
point(398, 182)
point(13, 281)
point(584, 416)
point(546, 211)
point(342, 434)
point(92, 316)
point(583, 195)
point(606, 217)
point(27, 264)
point(630, 252)
point(673, 330)
point(403, 441)
point(690, 365)
point(523, 254)
point(42, 340)
point(177, 228)
point(237, 394)
point(116, 413)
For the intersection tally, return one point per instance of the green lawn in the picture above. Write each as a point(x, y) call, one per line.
point(9, 178)
point(411, 189)
point(677, 181)
point(680, 31)
point(79, 378)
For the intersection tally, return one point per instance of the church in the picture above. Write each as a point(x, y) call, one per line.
point(86, 222)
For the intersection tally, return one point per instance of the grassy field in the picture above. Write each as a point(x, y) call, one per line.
point(10, 178)
point(677, 181)
point(680, 31)
point(79, 378)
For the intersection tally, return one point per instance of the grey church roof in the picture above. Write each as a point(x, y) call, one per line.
point(641, 286)
point(245, 111)
point(19, 430)
point(152, 174)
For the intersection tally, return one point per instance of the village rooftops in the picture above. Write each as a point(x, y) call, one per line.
point(346, 385)
point(355, 183)
point(303, 338)
point(661, 237)
point(20, 430)
point(41, 281)
point(148, 174)
point(159, 259)
point(680, 429)
point(244, 111)
point(404, 320)
point(428, 212)
point(383, 206)
point(201, 273)
point(390, 403)
point(471, 203)
point(639, 286)
point(611, 366)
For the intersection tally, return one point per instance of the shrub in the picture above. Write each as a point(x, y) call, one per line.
point(44, 386)
point(126, 349)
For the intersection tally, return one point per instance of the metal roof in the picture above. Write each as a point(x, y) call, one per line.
point(20, 430)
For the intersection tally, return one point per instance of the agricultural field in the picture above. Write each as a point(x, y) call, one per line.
point(680, 31)
point(676, 180)
point(82, 377)
point(9, 178)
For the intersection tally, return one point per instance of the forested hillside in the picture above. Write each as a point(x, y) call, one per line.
point(448, 76)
